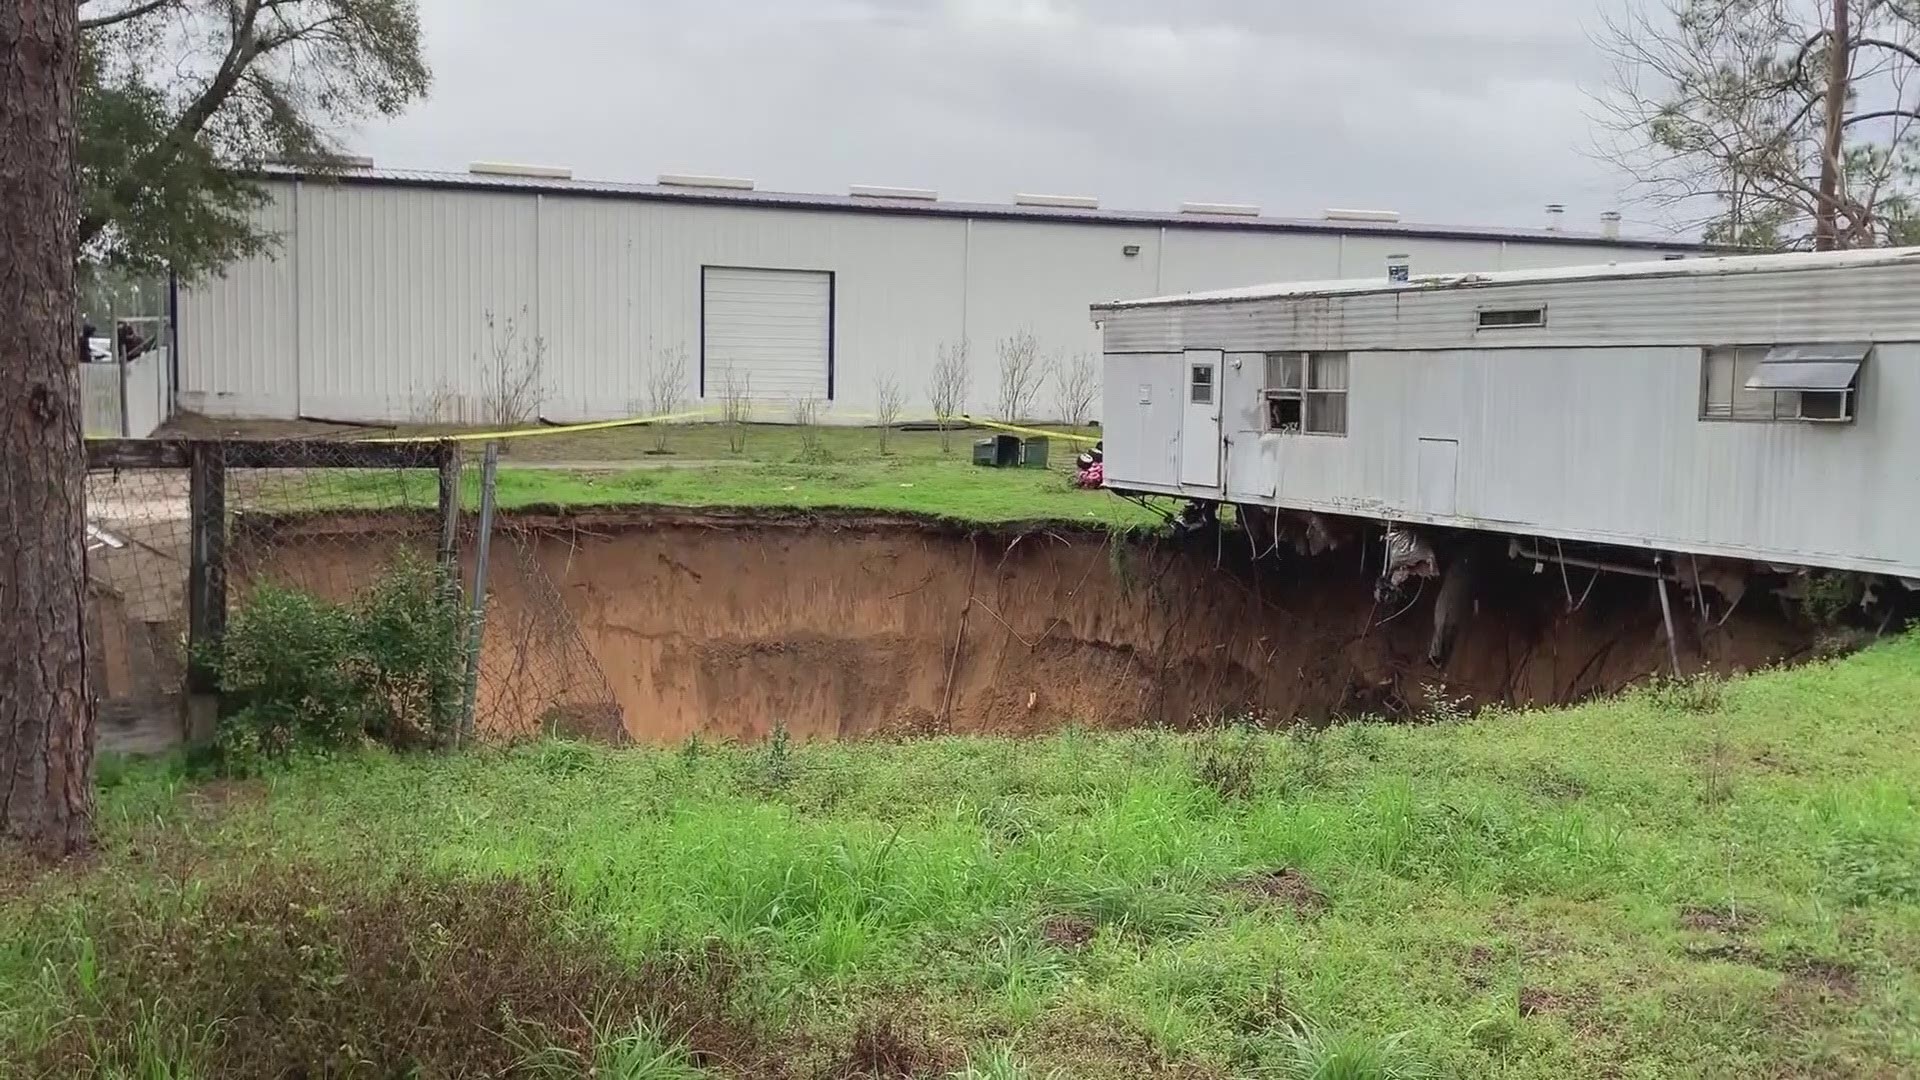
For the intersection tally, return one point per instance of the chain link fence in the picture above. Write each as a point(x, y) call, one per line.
point(181, 532)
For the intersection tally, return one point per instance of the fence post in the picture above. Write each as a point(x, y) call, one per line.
point(119, 367)
point(449, 505)
point(477, 623)
point(206, 586)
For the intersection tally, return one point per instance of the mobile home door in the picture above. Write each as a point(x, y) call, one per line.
point(1200, 421)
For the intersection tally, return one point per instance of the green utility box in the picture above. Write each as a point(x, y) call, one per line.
point(1033, 452)
point(999, 452)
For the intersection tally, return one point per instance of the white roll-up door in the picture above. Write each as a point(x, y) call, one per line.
point(772, 328)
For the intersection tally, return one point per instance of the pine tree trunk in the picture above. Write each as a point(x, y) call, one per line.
point(46, 704)
point(1826, 221)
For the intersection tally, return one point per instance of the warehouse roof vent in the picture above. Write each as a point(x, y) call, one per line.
point(1070, 202)
point(734, 183)
point(1338, 214)
point(877, 191)
point(508, 168)
point(1235, 209)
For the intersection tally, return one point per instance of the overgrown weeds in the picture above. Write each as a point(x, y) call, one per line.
point(776, 765)
point(1229, 762)
point(999, 1062)
point(1309, 1053)
point(1142, 909)
point(307, 970)
point(1697, 695)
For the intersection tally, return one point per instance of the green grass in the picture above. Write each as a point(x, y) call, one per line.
point(764, 442)
point(845, 471)
point(1714, 882)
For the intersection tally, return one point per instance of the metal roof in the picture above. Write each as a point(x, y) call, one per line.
point(1701, 267)
point(882, 205)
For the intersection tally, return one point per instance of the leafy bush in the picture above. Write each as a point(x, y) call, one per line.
point(1829, 595)
point(302, 674)
point(410, 638)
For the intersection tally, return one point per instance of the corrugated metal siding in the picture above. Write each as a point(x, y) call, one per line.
point(1834, 304)
point(620, 284)
point(605, 312)
point(1144, 395)
point(1601, 444)
point(1366, 256)
point(100, 401)
point(1195, 260)
point(394, 284)
point(409, 298)
point(1042, 278)
point(237, 329)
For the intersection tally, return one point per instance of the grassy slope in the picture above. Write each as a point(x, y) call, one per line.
point(845, 470)
point(1695, 883)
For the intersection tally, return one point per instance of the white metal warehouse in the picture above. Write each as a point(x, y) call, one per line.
point(375, 305)
point(1758, 408)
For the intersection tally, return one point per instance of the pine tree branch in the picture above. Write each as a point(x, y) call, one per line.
point(1891, 46)
point(99, 22)
point(1880, 114)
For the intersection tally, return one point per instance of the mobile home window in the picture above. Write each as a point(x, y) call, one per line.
point(1306, 393)
point(1200, 380)
point(1813, 383)
point(1502, 318)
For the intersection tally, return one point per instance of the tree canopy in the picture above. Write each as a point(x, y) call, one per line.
point(1771, 123)
point(178, 99)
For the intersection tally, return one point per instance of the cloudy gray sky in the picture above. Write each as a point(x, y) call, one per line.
point(1458, 111)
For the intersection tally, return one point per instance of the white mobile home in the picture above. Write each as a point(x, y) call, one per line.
point(376, 302)
point(1764, 408)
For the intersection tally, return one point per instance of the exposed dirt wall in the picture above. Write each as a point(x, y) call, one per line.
point(726, 625)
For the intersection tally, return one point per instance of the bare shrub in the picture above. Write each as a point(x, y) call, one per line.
point(736, 407)
point(437, 405)
point(1022, 371)
point(666, 390)
point(888, 400)
point(805, 411)
point(512, 373)
point(1076, 385)
point(947, 386)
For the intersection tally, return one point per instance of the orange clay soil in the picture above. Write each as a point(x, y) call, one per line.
point(726, 624)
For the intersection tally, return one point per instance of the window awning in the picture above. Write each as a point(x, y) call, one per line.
point(1810, 367)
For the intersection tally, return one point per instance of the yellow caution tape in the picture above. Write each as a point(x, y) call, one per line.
point(637, 421)
point(973, 421)
point(525, 433)
point(1029, 431)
